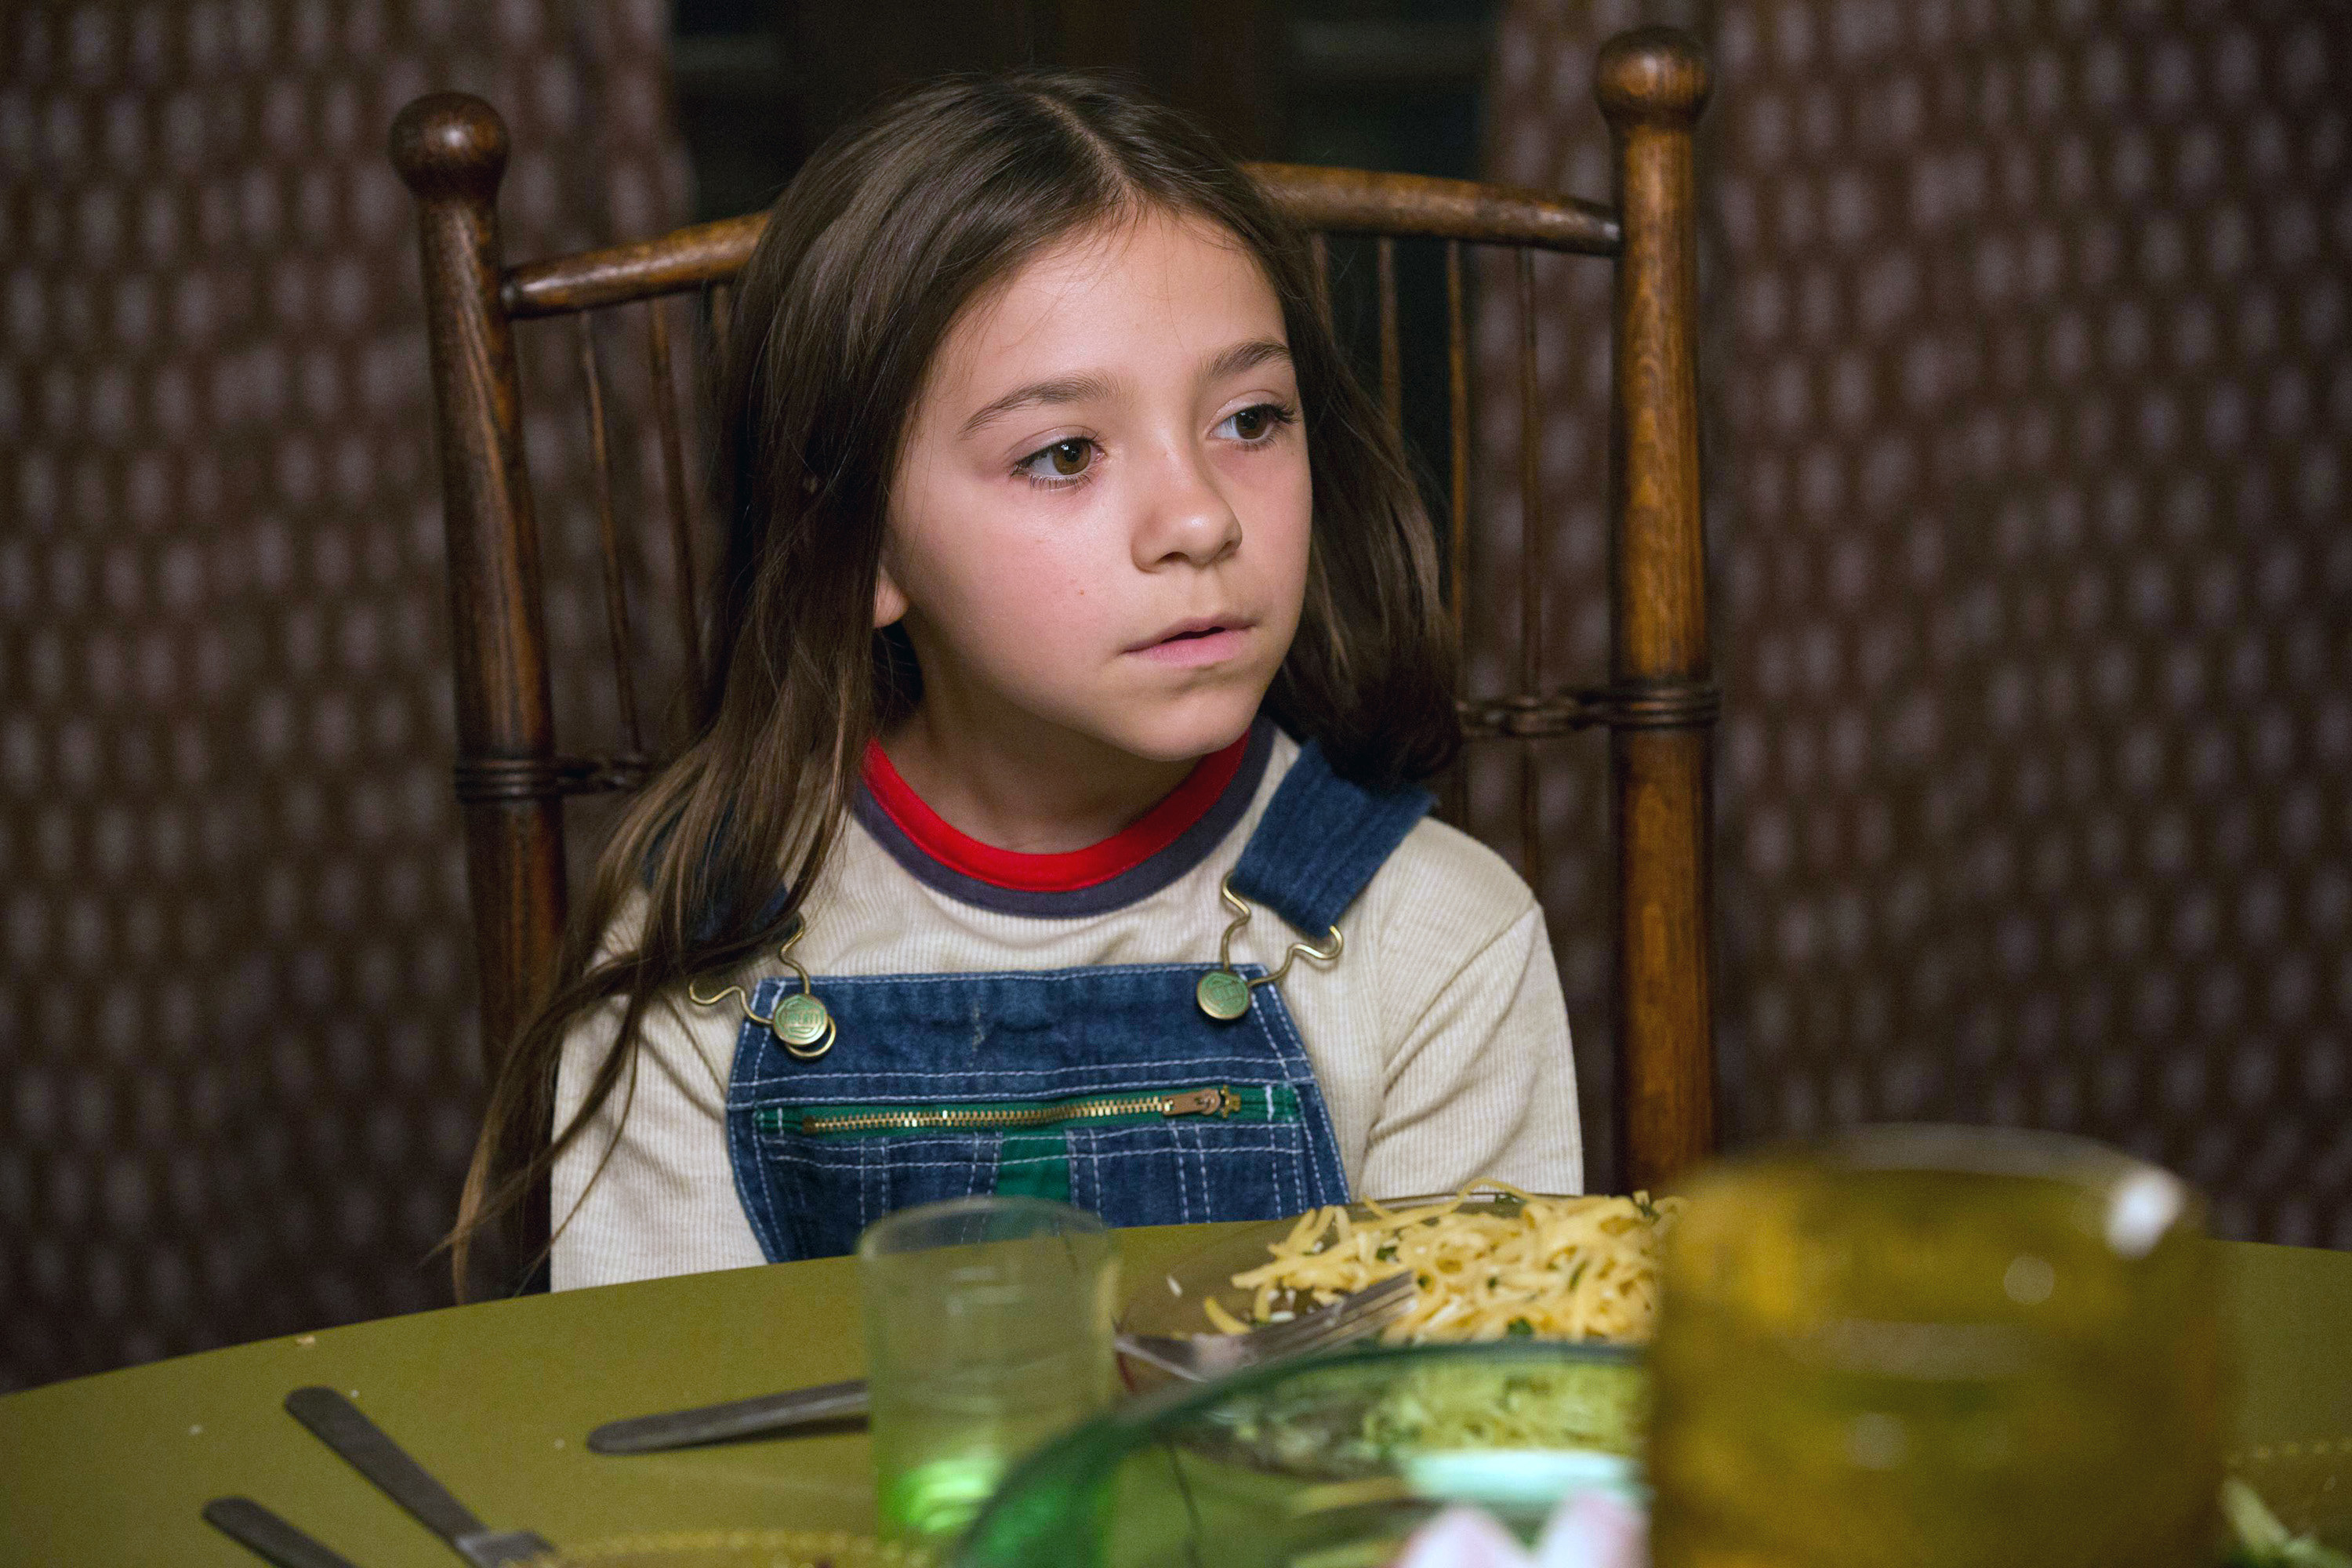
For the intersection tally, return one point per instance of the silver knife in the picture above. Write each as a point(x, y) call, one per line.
point(737, 1418)
point(769, 1413)
point(339, 1424)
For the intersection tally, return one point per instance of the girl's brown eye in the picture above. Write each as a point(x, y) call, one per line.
point(1250, 423)
point(1068, 458)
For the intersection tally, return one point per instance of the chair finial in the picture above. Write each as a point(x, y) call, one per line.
point(1654, 74)
point(450, 144)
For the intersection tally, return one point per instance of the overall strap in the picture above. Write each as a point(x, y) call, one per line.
point(705, 925)
point(1320, 840)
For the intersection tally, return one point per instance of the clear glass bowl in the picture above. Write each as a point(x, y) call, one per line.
point(740, 1548)
point(1325, 1463)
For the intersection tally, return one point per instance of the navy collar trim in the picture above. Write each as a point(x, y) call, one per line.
point(1188, 850)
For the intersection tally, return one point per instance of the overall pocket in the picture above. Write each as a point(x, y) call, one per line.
point(1186, 1154)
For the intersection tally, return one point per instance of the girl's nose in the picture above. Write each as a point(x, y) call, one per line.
point(1186, 517)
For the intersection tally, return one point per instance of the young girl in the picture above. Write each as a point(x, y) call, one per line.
point(1079, 637)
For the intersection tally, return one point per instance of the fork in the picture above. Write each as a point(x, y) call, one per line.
point(1194, 1357)
point(1198, 1357)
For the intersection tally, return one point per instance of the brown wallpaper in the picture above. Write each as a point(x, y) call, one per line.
point(236, 1044)
point(2029, 360)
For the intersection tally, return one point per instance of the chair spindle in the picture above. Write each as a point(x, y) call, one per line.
point(608, 536)
point(723, 299)
point(681, 515)
point(1457, 541)
point(1531, 564)
point(1392, 358)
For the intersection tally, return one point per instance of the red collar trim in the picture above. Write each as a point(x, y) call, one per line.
point(1067, 872)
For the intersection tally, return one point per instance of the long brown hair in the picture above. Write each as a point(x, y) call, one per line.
point(887, 233)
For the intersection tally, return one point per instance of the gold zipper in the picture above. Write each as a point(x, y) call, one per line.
point(1217, 1101)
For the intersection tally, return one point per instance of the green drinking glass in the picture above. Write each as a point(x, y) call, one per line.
point(988, 1331)
point(1939, 1348)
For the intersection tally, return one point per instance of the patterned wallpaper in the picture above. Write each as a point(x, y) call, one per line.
point(2029, 377)
point(238, 1066)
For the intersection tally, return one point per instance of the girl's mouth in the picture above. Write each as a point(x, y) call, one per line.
point(1194, 642)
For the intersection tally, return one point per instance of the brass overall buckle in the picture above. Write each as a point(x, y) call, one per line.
point(1222, 992)
point(802, 1022)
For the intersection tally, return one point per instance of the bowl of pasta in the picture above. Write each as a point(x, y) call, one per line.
point(1515, 1380)
point(1327, 1461)
point(1489, 1263)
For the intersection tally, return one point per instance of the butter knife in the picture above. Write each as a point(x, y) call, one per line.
point(737, 1418)
point(340, 1425)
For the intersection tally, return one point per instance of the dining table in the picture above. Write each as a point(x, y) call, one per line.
point(498, 1398)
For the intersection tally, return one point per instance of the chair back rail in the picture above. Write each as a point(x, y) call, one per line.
point(1330, 200)
point(1659, 705)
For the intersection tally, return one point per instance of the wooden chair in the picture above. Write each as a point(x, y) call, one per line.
point(1659, 705)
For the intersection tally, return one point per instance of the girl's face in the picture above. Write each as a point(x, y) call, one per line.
point(1102, 514)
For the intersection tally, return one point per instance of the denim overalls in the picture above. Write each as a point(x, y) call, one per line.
point(1109, 1087)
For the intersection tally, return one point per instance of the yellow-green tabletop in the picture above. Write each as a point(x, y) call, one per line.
point(498, 1399)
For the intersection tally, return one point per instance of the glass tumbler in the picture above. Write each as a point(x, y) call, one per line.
point(988, 1330)
point(1938, 1348)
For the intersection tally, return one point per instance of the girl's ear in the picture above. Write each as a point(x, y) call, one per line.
point(889, 600)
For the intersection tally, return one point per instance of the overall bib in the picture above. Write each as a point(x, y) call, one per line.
point(1108, 1087)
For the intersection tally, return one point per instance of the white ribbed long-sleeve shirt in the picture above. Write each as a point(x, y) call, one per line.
point(1440, 1039)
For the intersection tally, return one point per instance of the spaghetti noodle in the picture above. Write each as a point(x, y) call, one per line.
point(1567, 1268)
